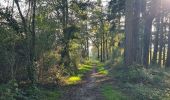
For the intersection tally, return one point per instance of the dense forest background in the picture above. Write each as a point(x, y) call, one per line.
point(48, 44)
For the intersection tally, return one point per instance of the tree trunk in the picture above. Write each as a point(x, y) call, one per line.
point(168, 53)
point(32, 42)
point(136, 22)
point(104, 48)
point(107, 50)
point(30, 38)
point(161, 42)
point(164, 53)
point(150, 53)
point(98, 53)
point(129, 57)
point(87, 49)
point(154, 60)
point(146, 40)
point(101, 55)
point(65, 56)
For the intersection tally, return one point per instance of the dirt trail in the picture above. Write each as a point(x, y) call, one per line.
point(89, 89)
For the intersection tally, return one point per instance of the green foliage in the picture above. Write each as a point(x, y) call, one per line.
point(10, 48)
point(75, 53)
point(51, 59)
point(101, 69)
point(118, 50)
point(11, 91)
point(35, 93)
point(134, 74)
point(117, 6)
point(141, 83)
point(44, 42)
point(116, 10)
point(71, 33)
point(80, 8)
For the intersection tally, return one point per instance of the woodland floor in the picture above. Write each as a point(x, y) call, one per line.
point(89, 88)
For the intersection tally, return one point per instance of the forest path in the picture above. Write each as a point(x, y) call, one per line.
point(89, 89)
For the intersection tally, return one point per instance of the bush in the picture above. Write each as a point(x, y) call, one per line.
point(146, 92)
point(142, 83)
point(48, 69)
point(11, 91)
point(133, 74)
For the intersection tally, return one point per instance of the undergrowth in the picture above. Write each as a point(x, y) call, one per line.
point(111, 94)
point(11, 91)
point(141, 83)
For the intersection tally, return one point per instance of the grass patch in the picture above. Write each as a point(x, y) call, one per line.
point(91, 62)
point(50, 95)
point(111, 94)
point(83, 68)
point(102, 70)
point(73, 80)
